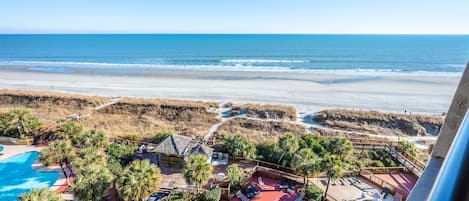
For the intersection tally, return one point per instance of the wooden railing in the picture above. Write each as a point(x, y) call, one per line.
point(366, 174)
point(385, 170)
point(130, 142)
point(265, 164)
point(373, 141)
point(408, 163)
point(413, 160)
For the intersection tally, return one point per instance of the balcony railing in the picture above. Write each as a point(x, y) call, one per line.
point(452, 182)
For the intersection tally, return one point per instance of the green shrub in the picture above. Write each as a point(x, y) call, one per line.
point(239, 146)
point(268, 151)
point(315, 143)
point(211, 195)
point(123, 154)
point(313, 192)
point(131, 137)
point(381, 158)
point(19, 123)
point(377, 164)
point(236, 175)
point(409, 147)
point(157, 138)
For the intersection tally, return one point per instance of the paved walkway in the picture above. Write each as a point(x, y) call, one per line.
point(350, 189)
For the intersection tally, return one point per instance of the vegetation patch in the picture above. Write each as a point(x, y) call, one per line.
point(146, 117)
point(279, 112)
point(380, 123)
point(49, 106)
point(258, 130)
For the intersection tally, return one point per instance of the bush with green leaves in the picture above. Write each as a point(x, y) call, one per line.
point(236, 176)
point(239, 146)
point(268, 152)
point(123, 154)
point(210, 195)
point(381, 158)
point(313, 142)
point(313, 192)
point(43, 194)
point(157, 138)
point(409, 147)
point(19, 123)
point(131, 137)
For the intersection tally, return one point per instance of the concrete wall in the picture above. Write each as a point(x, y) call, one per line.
point(14, 141)
point(454, 117)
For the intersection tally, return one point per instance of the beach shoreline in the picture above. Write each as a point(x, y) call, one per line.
point(309, 93)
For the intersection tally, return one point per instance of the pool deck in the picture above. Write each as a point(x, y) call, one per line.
point(12, 150)
point(362, 190)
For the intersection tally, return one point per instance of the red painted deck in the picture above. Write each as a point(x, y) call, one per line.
point(405, 181)
point(271, 192)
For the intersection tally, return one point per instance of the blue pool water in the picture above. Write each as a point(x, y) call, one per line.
point(1, 148)
point(17, 176)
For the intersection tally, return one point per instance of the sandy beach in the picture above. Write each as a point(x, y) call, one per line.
point(308, 92)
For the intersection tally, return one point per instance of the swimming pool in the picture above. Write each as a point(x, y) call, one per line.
point(17, 176)
point(1, 148)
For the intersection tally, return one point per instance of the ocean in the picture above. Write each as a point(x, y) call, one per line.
point(360, 54)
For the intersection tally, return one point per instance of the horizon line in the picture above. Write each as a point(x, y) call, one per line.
point(201, 33)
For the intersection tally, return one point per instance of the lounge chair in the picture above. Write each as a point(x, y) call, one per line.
point(249, 192)
point(342, 181)
point(254, 189)
point(291, 188)
point(300, 197)
point(261, 183)
point(282, 184)
point(241, 196)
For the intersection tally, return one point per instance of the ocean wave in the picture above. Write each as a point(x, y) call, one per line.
point(65, 67)
point(263, 61)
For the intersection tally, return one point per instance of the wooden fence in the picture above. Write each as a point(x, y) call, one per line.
point(130, 142)
point(368, 175)
point(417, 169)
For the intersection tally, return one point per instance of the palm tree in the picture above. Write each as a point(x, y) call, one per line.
point(70, 131)
point(340, 146)
point(197, 171)
point(60, 152)
point(236, 175)
point(288, 143)
point(306, 163)
point(21, 123)
point(92, 182)
point(138, 181)
point(43, 194)
point(239, 146)
point(92, 138)
point(87, 156)
point(332, 166)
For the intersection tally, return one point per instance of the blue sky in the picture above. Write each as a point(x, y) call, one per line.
point(235, 16)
